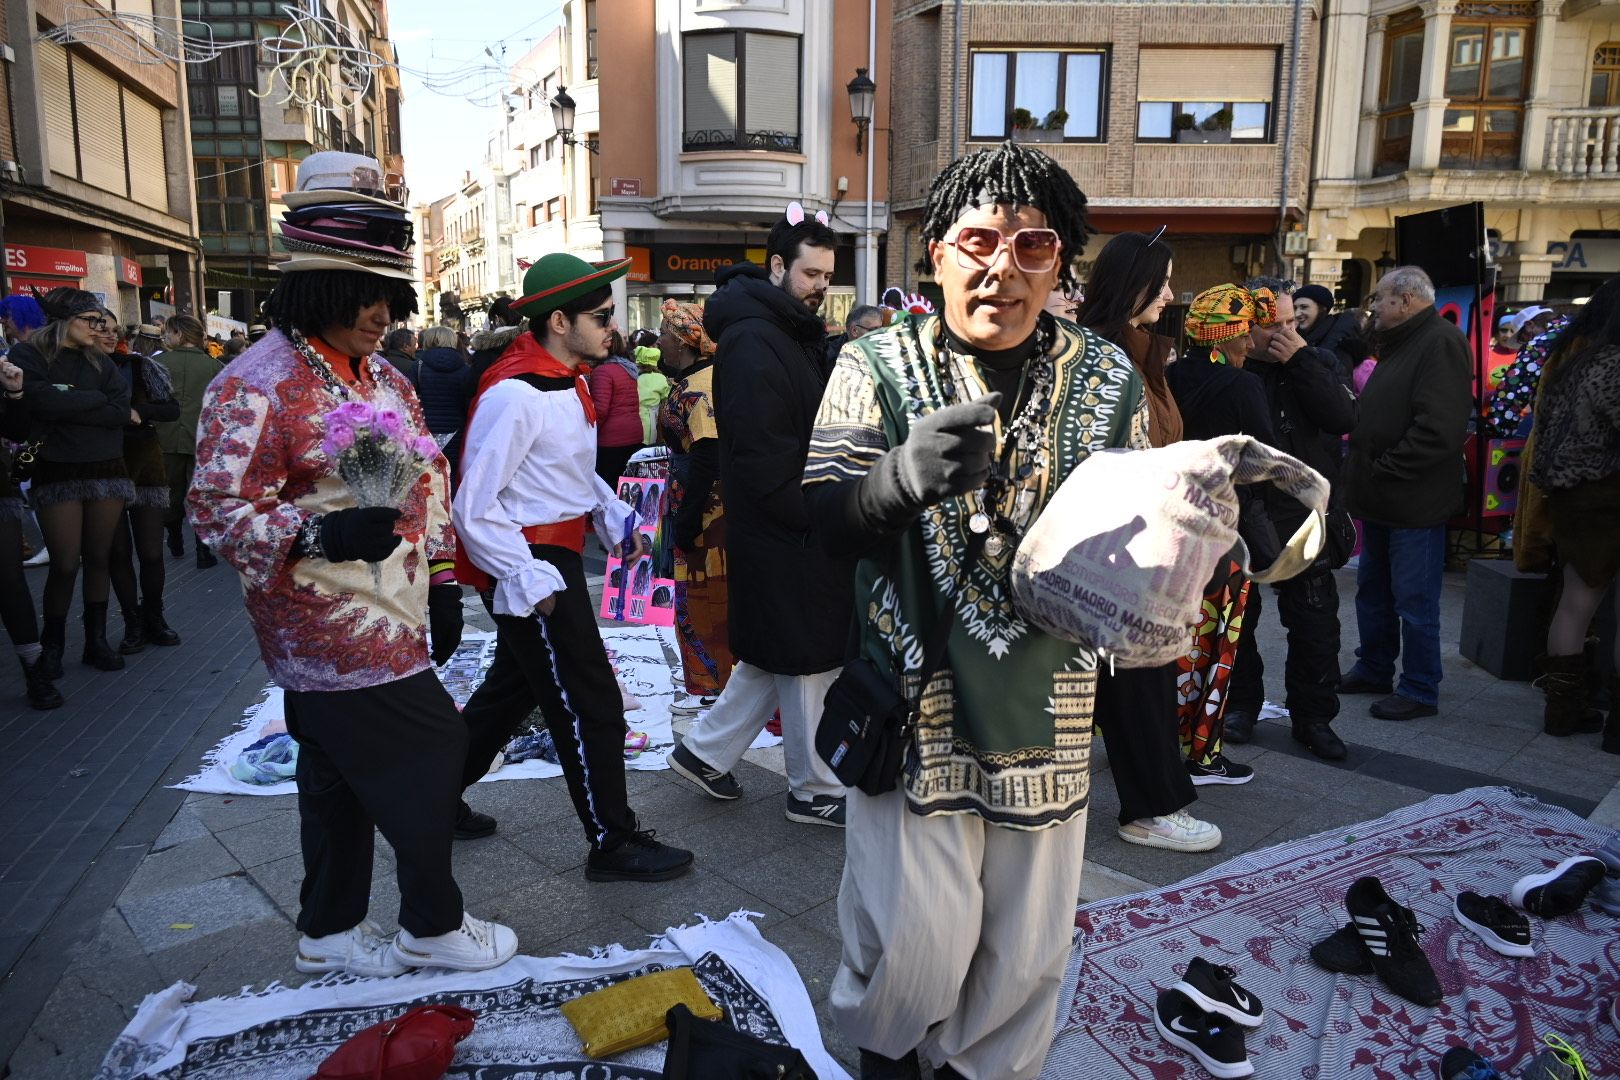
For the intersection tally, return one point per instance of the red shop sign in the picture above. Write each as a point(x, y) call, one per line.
point(129, 272)
point(57, 262)
point(24, 286)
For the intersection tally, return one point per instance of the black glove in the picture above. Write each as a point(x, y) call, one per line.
point(948, 451)
point(445, 621)
point(365, 532)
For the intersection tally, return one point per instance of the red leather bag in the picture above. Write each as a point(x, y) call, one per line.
point(416, 1046)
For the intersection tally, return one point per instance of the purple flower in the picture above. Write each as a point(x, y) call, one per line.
point(389, 423)
point(352, 414)
point(339, 437)
point(427, 448)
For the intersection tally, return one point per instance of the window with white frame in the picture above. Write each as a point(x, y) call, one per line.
point(1053, 96)
point(741, 91)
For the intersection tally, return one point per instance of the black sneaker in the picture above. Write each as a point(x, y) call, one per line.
point(1211, 988)
point(1343, 952)
point(1219, 769)
point(471, 825)
point(1560, 890)
point(1216, 1042)
point(1497, 925)
point(1461, 1063)
point(817, 810)
point(1390, 933)
point(715, 784)
point(875, 1066)
point(1239, 727)
point(637, 856)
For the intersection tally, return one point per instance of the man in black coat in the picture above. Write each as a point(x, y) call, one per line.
point(1310, 408)
point(790, 603)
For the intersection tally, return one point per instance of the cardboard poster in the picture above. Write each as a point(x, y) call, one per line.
point(643, 592)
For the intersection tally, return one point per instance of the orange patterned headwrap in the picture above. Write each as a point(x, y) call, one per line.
point(686, 320)
point(1228, 311)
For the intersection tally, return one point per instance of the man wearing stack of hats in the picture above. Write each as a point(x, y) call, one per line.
point(380, 742)
point(529, 494)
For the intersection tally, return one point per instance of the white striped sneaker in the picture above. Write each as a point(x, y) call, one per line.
point(1390, 933)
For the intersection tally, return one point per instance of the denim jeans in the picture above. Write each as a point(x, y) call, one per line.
point(1398, 608)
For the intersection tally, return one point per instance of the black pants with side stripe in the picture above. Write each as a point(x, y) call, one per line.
point(557, 663)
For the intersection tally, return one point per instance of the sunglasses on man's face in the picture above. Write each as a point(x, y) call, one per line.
point(603, 316)
point(1034, 251)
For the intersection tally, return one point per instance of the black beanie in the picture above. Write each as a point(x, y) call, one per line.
point(1316, 294)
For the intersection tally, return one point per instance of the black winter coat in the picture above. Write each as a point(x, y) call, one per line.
point(1310, 409)
point(790, 602)
point(444, 386)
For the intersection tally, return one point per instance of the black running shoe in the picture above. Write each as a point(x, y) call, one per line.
point(1219, 769)
point(1343, 952)
point(471, 825)
point(1497, 925)
point(1560, 890)
point(1214, 1040)
point(1461, 1063)
point(1390, 933)
point(816, 810)
point(637, 856)
point(1211, 988)
point(715, 784)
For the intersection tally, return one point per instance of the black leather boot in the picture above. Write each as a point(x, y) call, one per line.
point(205, 558)
point(177, 541)
point(41, 694)
point(134, 632)
point(97, 653)
point(158, 632)
point(1568, 710)
point(52, 642)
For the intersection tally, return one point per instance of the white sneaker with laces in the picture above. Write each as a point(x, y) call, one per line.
point(477, 946)
point(360, 950)
point(1179, 831)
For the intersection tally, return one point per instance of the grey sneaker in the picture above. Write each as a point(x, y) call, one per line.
point(715, 784)
point(818, 810)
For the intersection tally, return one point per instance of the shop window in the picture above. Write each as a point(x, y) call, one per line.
point(741, 91)
point(1059, 95)
point(1605, 91)
point(1487, 73)
point(1206, 95)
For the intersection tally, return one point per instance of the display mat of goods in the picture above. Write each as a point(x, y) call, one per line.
point(1260, 914)
point(521, 1034)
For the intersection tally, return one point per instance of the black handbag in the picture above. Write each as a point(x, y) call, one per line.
point(708, 1050)
point(22, 461)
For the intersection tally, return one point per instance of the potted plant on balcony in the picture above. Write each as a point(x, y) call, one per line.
point(1022, 122)
point(1216, 128)
point(1049, 130)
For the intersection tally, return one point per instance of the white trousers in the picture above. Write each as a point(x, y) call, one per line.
point(956, 935)
point(752, 694)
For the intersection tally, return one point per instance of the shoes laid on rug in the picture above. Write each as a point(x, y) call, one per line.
point(1560, 890)
point(1179, 831)
point(1606, 897)
point(1396, 707)
point(1239, 726)
point(635, 742)
point(637, 856)
point(471, 825)
point(875, 1066)
point(1212, 1039)
point(1355, 684)
point(1211, 988)
point(1219, 769)
point(360, 950)
point(691, 706)
point(1461, 1063)
point(476, 946)
point(1500, 927)
point(1390, 933)
point(715, 784)
point(1343, 952)
point(816, 810)
point(1318, 737)
point(1560, 1061)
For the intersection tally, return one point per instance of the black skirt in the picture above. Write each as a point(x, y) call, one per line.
point(80, 481)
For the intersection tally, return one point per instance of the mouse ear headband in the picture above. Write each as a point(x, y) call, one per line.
point(795, 215)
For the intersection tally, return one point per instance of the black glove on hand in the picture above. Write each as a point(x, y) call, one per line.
point(445, 621)
point(948, 451)
point(365, 532)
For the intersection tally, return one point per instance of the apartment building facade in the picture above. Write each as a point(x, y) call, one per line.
point(1512, 103)
point(1195, 116)
point(94, 160)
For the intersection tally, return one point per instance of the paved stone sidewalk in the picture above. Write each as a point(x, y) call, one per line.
point(209, 893)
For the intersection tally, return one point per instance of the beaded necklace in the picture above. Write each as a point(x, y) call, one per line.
point(323, 370)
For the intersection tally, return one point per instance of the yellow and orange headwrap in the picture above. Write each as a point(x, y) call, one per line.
point(1228, 311)
point(686, 321)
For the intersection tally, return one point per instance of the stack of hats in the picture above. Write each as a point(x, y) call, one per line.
point(341, 218)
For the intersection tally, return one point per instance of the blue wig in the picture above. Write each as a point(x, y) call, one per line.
point(24, 312)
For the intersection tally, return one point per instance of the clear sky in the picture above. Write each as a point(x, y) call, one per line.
point(447, 119)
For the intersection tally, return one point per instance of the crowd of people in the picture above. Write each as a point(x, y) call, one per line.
point(835, 503)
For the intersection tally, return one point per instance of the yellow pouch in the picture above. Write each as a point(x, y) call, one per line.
point(631, 1013)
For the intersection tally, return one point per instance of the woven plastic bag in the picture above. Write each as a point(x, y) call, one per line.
point(1119, 559)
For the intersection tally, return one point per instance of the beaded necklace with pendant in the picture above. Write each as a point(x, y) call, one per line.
point(323, 370)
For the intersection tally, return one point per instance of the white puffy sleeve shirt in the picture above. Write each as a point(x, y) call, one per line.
point(530, 459)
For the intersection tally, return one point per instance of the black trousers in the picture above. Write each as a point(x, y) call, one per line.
point(388, 756)
point(557, 663)
point(1309, 608)
point(1136, 710)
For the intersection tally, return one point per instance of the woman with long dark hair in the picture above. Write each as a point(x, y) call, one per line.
point(80, 406)
point(1136, 708)
point(139, 535)
point(1575, 461)
point(16, 601)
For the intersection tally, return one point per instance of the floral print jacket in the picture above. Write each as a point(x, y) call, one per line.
point(261, 472)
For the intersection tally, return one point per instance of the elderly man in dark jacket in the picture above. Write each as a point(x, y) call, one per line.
point(1310, 407)
point(790, 603)
point(1404, 479)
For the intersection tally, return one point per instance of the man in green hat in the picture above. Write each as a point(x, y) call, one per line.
point(529, 493)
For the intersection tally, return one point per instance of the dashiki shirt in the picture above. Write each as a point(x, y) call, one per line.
point(685, 419)
point(1005, 725)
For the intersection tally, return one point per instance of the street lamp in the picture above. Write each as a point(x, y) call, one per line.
point(562, 118)
point(1384, 264)
point(862, 99)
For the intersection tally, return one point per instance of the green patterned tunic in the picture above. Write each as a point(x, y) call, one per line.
point(1005, 726)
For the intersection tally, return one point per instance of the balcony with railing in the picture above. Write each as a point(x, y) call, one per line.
point(1584, 142)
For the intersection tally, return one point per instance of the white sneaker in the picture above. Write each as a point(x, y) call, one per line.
point(477, 946)
point(359, 950)
point(38, 558)
point(691, 706)
point(1179, 831)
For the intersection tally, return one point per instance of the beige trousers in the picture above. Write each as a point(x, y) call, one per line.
point(956, 934)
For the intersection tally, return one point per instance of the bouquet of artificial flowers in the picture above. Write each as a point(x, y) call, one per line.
point(376, 456)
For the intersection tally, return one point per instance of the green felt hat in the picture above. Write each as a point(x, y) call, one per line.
point(559, 277)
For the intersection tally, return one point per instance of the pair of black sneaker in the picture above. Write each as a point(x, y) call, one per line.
point(1205, 1014)
point(1380, 939)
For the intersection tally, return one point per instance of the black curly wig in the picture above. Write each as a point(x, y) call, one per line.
point(312, 301)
